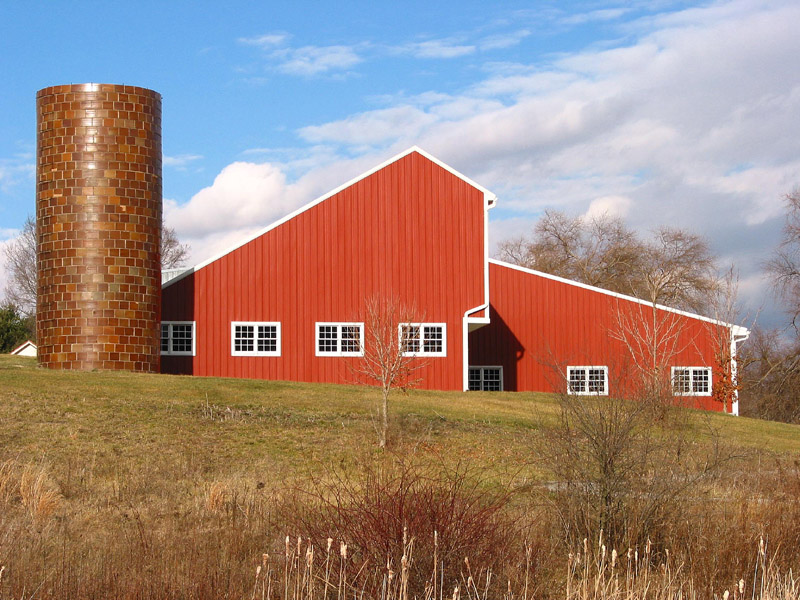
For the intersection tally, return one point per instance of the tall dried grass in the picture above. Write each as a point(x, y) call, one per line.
point(594, 573)
point(381, 530)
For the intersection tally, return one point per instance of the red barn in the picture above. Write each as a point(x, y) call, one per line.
point(290, 303)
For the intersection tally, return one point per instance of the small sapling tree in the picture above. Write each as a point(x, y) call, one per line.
point(389, 359)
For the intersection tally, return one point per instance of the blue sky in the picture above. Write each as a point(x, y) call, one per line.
point(662, 112)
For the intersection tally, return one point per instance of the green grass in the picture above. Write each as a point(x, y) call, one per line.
point(221, 425)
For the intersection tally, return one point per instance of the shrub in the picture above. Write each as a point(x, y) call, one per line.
point(451, 513)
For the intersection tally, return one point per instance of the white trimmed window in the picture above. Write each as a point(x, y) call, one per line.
point(340, 339)
point(691, 381)
point(423, 339)
point(177, 338)
point(587, 381)
point(255, 338)
point(486, 379)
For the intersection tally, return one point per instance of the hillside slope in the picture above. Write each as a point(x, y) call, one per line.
point(127, 485)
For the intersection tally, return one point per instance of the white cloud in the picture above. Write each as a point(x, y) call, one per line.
point(503, 40)
point(604, 14)
point(267, 40)
point(315, 60)
point(611, 206)
point(242, 195)
point(14, 171)
point(181, 161)
point(445, 48)
point(373, 127)
point(303, 61)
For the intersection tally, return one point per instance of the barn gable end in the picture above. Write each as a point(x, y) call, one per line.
point(412, 230)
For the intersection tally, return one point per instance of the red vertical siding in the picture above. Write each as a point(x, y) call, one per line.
point(412, 230)
point(540, 325)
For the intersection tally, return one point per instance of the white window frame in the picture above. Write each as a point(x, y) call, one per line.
point(422, 326)
point(338, 351)
point(482, 368)
point(255, 325)
point(170, 351)
point(691, 371)
point(587, 368)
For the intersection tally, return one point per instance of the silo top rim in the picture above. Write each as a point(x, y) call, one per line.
point(95, 87)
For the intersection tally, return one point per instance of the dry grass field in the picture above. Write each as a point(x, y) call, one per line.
point(116, 485)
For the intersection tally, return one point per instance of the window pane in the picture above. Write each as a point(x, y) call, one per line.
point(243, 338)
point(351, 338)
point(433, 339)
point(267, 338)
point(328, 338)
point(474, 380)
point(491, 379)
point(181, 338)
point(597, 381)
point(165, 337)
point(577, 380)
point(700, 381)
point(410, 339)
point(681, 381)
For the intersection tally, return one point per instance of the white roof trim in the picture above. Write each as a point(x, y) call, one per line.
point(488, 196)
point(737, 329)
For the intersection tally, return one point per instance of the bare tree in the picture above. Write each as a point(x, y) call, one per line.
point(674, 267)
point(173, 252)
point(771, 376)
point(599, 251)
point(20, 262)
point(390, 353)
point(652, 338)
point(678, 270)
point(772, 360)
point(784, 266)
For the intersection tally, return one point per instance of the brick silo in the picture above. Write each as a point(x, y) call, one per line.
point(98, 214)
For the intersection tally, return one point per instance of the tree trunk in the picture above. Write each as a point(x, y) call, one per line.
point(384, 418)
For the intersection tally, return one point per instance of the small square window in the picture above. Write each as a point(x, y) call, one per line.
point(587, 381)
point(255, 339)
point(177, 338)
point(423, 339)
point(486, 379)
point(340, 339)
point(691, 381)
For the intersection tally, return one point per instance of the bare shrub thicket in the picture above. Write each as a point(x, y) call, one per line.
point(625, 468)
point(452, 512)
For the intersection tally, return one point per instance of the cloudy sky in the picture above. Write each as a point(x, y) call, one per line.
point(666, 113)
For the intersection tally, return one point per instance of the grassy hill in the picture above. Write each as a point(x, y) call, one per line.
point(233, 422)
point(152, 479)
